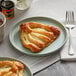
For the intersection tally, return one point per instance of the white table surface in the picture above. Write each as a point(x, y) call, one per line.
point(48, 8)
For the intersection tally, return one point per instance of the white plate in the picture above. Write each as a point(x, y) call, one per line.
point(55, 46)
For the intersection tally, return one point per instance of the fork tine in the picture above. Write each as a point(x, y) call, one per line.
point(72, 16)
point(69, 17)
point(66, 17)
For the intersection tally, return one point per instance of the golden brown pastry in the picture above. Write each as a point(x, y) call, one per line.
point(11, 68)
point(37, 36)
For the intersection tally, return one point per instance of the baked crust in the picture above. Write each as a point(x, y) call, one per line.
point(36, 36)
point(11, 68)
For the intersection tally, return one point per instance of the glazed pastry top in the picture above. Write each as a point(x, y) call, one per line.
point(37, 36)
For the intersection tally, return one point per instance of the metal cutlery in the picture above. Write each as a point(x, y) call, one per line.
point(70, 25)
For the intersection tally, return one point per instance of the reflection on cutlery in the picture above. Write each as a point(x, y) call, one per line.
point(70, 25)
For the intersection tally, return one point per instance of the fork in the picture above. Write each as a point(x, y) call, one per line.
point(70, 25)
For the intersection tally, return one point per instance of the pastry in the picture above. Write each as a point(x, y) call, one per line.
point(11, 68)
point(36, 36)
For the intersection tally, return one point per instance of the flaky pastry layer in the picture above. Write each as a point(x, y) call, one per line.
point(36, 36)
point(11, 68)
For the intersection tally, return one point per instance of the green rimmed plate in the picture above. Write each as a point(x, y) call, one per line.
point(27, 71)
point(55, 46)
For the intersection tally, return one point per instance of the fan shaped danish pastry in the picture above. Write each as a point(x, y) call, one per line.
point(11, 68)
point(37, 36)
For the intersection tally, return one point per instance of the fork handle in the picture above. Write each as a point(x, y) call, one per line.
point(70, 48)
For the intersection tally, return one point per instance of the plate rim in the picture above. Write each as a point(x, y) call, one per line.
point(12, 59)
point(39, 17)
